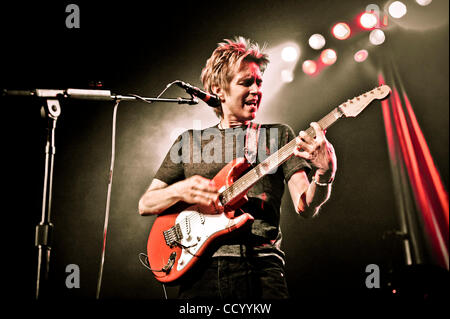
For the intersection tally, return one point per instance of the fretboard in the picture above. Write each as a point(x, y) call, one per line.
point(274, 160)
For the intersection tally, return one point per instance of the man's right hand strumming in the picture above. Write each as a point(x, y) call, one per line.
point(197, 190)
point(193, 190)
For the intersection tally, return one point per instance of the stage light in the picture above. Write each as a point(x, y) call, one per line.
point(316, 41)
point(361, 55)
point(397, 9)
point(309, 67)
point(289, 54)
point(287, 76)
point(368, 20)
point(341, 31)
point(328, 56)
point(376, 37)
point(274, 77)
point(423, 2)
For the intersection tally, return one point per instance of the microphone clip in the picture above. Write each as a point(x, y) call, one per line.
point(192, 101)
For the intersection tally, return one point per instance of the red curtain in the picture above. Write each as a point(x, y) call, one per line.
point(407, 146)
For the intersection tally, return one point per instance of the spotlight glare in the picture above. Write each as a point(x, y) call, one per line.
point(316, 41)
point(376, 37)
point(289, 54)
point(341, 31)
point(397, 9)
point(287, 76)
point(309, 67)
point(368, 20)
point(328, 56)
point(361, 56)
point(423, 2)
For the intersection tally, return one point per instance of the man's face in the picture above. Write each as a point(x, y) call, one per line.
point(243, 97)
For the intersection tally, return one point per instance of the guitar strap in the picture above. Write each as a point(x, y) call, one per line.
point(251, 142)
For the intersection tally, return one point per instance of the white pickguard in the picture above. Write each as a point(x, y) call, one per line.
point(196, 229)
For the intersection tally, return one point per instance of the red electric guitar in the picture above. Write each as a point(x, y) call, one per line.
point(181, 234)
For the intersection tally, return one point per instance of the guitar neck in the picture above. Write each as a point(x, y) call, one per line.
point(275, 160)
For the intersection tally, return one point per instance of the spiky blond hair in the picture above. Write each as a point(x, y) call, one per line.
point(226, 59)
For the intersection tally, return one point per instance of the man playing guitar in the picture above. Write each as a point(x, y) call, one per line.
point(252, 264)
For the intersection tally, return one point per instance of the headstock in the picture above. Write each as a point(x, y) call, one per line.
point(353, 107)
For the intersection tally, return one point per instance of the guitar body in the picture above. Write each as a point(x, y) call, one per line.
point(181, 235)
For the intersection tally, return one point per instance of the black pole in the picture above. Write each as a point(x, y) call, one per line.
point(43, 240)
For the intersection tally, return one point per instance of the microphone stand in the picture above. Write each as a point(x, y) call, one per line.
point(43, 236)
point(51, 110)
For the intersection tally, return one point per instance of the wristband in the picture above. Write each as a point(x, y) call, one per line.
point(321, 184)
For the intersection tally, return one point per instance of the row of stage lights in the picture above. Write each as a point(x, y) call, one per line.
point(369, 20)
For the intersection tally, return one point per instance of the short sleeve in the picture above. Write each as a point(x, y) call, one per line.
point(294, 163)
point(171, 169)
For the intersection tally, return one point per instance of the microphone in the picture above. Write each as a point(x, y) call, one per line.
point(210, 99)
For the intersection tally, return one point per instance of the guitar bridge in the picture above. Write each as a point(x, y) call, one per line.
point(173, 235)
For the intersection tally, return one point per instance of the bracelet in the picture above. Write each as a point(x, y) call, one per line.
point(321, 184)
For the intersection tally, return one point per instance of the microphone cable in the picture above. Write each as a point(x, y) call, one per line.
point(108, 198)
point(110, 179)
point(162, 92)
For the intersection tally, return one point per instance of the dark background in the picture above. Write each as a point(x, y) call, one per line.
point(132, 47)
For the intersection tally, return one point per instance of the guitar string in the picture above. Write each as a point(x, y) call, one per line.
point(245, 181)
point(251, 177)
point(285, 150)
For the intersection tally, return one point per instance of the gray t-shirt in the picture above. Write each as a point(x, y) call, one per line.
point(206, 152)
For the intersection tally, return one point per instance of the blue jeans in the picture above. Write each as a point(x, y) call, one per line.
point(237, 278)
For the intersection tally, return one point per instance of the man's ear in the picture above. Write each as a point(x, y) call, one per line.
point(217, 90)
